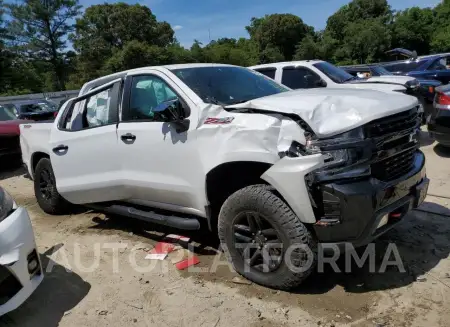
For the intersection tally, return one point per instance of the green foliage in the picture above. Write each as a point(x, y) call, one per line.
point(278, 31)
point(106, 38)
point(412, 29)
point(39, 29)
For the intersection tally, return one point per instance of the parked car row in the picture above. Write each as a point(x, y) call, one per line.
point(32, 109)
point(316, 73)
point(423, 88)
point(338, 159)
point(435, 67)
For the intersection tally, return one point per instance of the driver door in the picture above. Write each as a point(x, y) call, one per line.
point(157, 158)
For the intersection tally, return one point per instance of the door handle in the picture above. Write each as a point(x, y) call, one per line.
point(60, 148)
point(128, 137)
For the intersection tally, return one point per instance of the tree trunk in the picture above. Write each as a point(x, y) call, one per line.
point(59, 74)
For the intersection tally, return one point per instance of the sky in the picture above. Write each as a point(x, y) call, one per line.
point(206, 20)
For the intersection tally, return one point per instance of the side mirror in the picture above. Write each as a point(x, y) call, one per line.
point(321, 83)
point(172, 110)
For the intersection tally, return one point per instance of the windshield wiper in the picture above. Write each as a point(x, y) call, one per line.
point(239, 101)
point(213, 100)
point(352, 78)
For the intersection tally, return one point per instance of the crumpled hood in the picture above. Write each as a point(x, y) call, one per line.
point(333, 111)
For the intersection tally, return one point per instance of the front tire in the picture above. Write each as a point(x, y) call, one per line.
point(47, 195)
point(251, 222)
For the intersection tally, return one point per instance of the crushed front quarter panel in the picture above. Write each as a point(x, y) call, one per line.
point(288, 178)
point(260, 137)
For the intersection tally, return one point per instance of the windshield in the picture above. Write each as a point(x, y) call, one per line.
point(381, 71)
point(336, 74)
point(226, 85)
point(6, 114)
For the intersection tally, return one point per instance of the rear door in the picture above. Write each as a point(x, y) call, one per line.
point(83, 148)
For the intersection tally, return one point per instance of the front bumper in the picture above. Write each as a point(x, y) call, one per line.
point(17, 250)
point(362, 205)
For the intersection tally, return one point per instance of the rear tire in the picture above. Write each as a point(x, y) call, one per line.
point(274, 216)
point(45, 190)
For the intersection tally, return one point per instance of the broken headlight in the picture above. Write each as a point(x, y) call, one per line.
point(342, 150)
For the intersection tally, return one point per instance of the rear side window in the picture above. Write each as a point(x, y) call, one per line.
point(98, 109)
point(269, 72)
point(299, 78)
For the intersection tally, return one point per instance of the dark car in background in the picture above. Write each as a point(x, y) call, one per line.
point(439, 120)
point(35, 110)
point(426, 87)
point(435, 67)
point(9, 137)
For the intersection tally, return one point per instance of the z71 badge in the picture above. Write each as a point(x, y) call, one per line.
point(219, 121)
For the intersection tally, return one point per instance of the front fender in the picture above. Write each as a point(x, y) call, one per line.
point(288, 178)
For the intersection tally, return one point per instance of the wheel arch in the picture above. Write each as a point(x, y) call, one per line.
point(226, 178)
point(35, 158)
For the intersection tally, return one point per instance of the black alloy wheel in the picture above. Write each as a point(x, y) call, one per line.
point(47, 194)
point(46, 184)
point(257, 241)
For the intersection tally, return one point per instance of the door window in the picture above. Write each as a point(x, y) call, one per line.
point(440, 64)
point(300, 78)
point(148, 92)
point(269, 72)
point(99, 109)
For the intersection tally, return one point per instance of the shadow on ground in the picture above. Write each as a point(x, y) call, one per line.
point(59, 292)
point(421, 241)
point(11, 170)
point(442, 151)
point(203, 242)
point(425, 138)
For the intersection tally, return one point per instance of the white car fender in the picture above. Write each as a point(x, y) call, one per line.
point(288, 178)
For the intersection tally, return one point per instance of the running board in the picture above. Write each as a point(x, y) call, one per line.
point(150, 216)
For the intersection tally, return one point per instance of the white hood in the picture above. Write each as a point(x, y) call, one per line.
point(332, 111)
point(391, 79)
point(364, 85)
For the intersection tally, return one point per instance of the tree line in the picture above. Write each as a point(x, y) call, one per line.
point(53, 45)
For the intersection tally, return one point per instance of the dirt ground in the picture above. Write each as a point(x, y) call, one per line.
point(103, 288)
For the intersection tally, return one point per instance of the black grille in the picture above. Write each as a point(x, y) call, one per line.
point(394, 166)
point(392, 124)
point(9, 285)
point(395, 148)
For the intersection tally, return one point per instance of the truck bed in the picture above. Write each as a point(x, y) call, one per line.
point(34, 137)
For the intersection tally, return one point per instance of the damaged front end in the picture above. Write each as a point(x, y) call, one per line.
point(369, 178)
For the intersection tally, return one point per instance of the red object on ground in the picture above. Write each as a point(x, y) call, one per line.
point(163, 247)
point(187, 263)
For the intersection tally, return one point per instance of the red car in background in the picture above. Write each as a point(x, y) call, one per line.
point(9, 137)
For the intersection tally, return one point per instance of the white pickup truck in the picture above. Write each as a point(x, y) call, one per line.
point(267, 167)
point(306, 74)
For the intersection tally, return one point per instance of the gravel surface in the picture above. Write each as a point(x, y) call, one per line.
point(103, 289)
